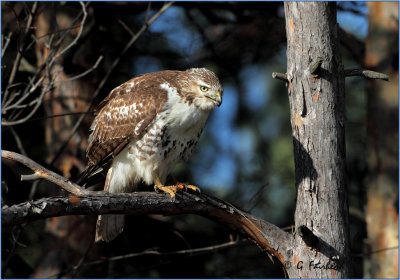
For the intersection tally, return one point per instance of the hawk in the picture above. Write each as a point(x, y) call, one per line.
point(143, 128)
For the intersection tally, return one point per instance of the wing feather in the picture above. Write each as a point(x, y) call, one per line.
point(124, 115)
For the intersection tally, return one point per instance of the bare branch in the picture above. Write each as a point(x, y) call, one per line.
point(76, 37)
point(266, 235)
point(84, 73)
point(20, 51)
point(280, 76)
point(48, 64)
point(5, 44)
point(43, 173)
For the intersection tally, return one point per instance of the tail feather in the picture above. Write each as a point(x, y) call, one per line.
point(109, 226)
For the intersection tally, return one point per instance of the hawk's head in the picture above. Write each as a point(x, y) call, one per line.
point(204, 88)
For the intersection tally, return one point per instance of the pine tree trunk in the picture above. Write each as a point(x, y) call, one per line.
point(317, 107)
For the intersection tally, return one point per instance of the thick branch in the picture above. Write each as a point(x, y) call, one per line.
point(267, 236)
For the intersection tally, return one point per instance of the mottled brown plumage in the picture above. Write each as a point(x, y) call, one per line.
point(144, 127)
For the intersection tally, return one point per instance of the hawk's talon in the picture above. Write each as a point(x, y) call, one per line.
point(193, 188)
point(186, 186)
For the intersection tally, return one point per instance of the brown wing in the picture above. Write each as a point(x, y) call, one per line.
point(125, 114)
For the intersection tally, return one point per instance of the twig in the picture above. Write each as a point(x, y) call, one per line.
point(76, 37)
point(43, 173)
point(5, 45)
point(255, 197)
point(190, 252)
point(147, 12)
point(84, 73)
point(280, 76)
point(365, 73)
point(126, 27)
point(58, 115)
point(18, 141)
point(110, 69)
point(50, 60)
point(37, 102)
point(20, 51)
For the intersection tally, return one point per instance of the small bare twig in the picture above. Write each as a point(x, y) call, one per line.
point(147, 12)
point(5, 45)
point(84, 73)
point(74, 42)
point(43, 173)
point(366, 74)
point(35, 82)
point(20, 51)
point(280, 76)
point(18, 141)
point(189, 252)
point(126, 27)
point(37, 102)
point(255, 198)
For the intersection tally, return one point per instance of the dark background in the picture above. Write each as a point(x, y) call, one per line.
point(245, 154)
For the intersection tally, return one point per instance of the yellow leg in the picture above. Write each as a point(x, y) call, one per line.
point(171, 190)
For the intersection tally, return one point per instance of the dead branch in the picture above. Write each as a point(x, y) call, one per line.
point(267, 236)
point(43, 173)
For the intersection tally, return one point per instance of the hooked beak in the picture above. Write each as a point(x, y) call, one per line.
point(216, 98)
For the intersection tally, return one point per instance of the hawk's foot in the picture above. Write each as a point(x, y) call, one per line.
point(171, 190)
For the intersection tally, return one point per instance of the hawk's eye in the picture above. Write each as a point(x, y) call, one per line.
point(203, 88)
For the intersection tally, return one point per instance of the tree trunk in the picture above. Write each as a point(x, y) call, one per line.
point(317, 109)
point(383, 104)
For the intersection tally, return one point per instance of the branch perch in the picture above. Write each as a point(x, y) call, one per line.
point(267, 236)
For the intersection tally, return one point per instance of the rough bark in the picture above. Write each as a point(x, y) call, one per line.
point(321, 245)
point(383, 104)
point(267, 236)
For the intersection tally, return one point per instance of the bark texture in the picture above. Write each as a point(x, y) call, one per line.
point(321, 245)
point(267, 236)
point(383, 104)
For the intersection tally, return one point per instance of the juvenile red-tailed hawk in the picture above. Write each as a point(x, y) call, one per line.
point(144, 127)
